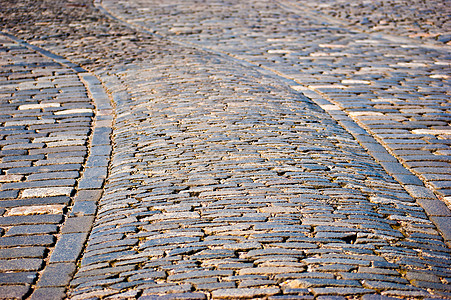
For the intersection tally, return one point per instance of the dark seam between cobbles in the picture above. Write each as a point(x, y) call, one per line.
point(59, 265)
point(228, 182)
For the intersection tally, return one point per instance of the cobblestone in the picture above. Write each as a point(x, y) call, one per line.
point(241, 159)
point(45, 110)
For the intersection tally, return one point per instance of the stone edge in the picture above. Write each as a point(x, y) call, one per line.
point(74, 232)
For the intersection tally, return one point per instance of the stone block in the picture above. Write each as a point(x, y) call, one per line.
point(56, 275)
point(77, 224)
point(68, 247)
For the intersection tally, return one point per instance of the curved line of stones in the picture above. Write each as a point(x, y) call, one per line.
point(74, 232)
point(437, 210)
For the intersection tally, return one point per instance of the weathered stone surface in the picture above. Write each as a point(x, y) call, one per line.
point(56, 275)
point(68, 247)
point(241, 165)
point(13, 291)
point(24, 264)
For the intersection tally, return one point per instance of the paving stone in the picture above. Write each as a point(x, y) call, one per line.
point(46, 192)
point(68, 247)
point(387, 285)
point(369, 276)
point(13, 291)
point(104, 257)
point(443, 223)
point(77, 224)
point(44, 183)
point(313, 282)
point(13, 194)
point(15, 241)
point(24, 264)
point(22, 252)
point(32, 230)
point(44, 169)
point(168, 289)
point(102, 244)
point(215, 286)
point(198, 274)
point(84, 208)
point(269, 270)
point(90, 183)
point(420, 192)
point(88, 195)
point(56, 275)
point(221, 131)
point(435, 207)
point(422, 276)
point(102, 269)
point(36, 201)
point(432, 285)
point(30, 219)
point(18, 278)
point(48, 293)
point(53, 175)
point(34, 210)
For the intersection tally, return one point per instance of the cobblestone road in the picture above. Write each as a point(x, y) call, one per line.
point(255, 153)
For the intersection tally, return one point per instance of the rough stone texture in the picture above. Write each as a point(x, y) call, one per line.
point(35, 91)
point(415, 19)
point(241, 163)
point(56, 275)
point(46, 121)
point(352, 69)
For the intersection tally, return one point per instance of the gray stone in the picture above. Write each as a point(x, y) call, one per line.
point(84, 208)
point(56, 275)
point(30, 219)
point(13, 291)
point(38, 240)
point(24, 264)
point(32, 230)
point(435, 207)
point(12, 194)
point(18, 278)
point(68, 247)
point(22, 252)
point(168, 289)
point(88, 195)
point(443, 224)
point(77, 224)
point(42, 293)
point(387, 285)
point(200, 274)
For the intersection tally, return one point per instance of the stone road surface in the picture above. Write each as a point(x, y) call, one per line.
point(260, 150)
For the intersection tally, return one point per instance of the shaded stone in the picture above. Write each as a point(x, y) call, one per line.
point(13, 291)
